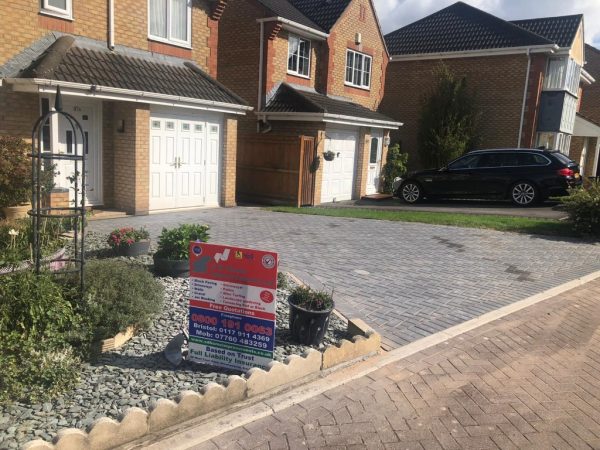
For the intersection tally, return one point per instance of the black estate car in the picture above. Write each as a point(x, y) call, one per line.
point(524, 176)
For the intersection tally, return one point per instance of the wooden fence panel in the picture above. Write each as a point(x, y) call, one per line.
point(268, 169)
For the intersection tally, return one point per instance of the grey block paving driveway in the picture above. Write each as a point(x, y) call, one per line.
point(408, 280)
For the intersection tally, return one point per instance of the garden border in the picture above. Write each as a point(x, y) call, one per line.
point(106, 433)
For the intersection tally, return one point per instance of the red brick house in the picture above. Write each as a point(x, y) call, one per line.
point(525, 74)
point(139, 76)
point(315, 73)
point(585, 145)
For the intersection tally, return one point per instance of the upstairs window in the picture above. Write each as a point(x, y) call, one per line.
point(170, 21)
point(358, 69)
point(298, 56)
point(60, 8)
point(563, 74)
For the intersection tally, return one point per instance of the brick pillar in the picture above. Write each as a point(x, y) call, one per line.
point(532, 102)
point(131, 149)
point(362, 162)
point(229, 160)
point(320, 148)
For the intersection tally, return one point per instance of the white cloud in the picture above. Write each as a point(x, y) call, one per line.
point(397, 13)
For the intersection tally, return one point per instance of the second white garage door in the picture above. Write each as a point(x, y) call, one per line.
point(338, 175)
point(185, 151)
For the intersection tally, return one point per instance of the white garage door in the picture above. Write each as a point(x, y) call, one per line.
point(184, 161)
point(338, 175)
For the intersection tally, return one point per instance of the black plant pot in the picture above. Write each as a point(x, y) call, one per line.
point(308, 327)
point(328, 156)
point(136, 249)
point(171, 268)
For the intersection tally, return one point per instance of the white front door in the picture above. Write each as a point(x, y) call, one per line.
point(184, 160)
point(88, 114)
point(374, 173)
point(338, 175)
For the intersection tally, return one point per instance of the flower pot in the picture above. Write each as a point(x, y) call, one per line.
point(136, 249)
point(171, 268)
point(328, 156)
point(308, 327)
point(16, 212)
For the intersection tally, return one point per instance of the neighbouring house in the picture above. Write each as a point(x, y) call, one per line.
point(140, 77)
point(585, 145)
point(315, 72)
point(524, 74)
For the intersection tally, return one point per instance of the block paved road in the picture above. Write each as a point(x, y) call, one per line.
point(527, 381)
point(407, 280)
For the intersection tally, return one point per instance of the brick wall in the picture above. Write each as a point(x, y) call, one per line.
point(342, 37)
point(576, 150)
point(130, 153)
point(497, 83)
point(590, 101)
point(535, 84)
point(90, 19)
point(229, 160)
point(18, 113)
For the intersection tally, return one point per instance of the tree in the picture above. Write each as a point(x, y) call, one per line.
point(395, 166)
point(448, 124)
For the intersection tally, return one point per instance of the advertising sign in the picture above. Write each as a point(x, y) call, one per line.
point(233, 297)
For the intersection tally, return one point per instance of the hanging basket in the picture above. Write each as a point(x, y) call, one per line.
point(328, 155)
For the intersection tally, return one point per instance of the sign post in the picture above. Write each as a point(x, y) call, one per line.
point(233, 298)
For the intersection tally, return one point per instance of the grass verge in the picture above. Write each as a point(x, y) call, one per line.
point(526, 225)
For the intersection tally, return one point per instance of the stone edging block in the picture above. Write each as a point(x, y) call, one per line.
point(279, 374)
point(365, 341)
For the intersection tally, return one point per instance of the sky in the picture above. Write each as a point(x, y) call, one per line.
point(394, 14)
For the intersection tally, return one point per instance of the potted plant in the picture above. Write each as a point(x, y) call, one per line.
point(129, 241)
point(309, 314)
point(15, 177)
point(328, 155)
point(172, 256)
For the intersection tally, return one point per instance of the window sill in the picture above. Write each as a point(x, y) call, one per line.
point(362, 88)
point(294, 74)
point(172, 43)
point(56, 15)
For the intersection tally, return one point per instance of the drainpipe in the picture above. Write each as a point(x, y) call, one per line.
point(524, 97)
point(111, 24)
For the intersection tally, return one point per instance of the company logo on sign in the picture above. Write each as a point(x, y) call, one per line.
point(268, 261)
point(197, 250)
point(267, 297)
point(239, 255)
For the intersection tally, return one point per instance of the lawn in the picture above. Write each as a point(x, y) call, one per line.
point(527, 225)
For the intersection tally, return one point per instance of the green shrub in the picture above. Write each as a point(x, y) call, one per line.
point(174, 243)
point(119, 294)
point(309, 299)
point(37, 326)
point(583, 207)
point(16, 237)
point(15, 171)
point(395, 166)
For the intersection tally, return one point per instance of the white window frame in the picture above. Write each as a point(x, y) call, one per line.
point(170, 40)
point(365, 57)
point(295, 72)
point(48, 9)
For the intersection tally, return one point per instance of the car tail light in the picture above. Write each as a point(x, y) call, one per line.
point(566, 172)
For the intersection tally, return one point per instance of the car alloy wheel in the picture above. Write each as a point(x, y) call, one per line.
point(411, 192)
point(523, 194)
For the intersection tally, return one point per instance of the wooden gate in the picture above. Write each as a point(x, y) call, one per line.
point(306, 187)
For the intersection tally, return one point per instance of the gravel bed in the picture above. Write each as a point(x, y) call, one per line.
point(137, 374)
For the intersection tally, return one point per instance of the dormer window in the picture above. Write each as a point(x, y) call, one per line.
point(170, 21)
point(358, 69)
point(59, 8)
point(298, 56)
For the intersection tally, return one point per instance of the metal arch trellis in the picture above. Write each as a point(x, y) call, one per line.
point(76, 212)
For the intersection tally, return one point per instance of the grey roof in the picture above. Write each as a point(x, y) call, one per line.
point(561, 30)
point(459, 27)
point(85, 61)
point(287, 99)
point(320, 15)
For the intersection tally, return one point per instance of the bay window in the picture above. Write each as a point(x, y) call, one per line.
point(358, 69)
point(170, 21)
point(298, 56)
